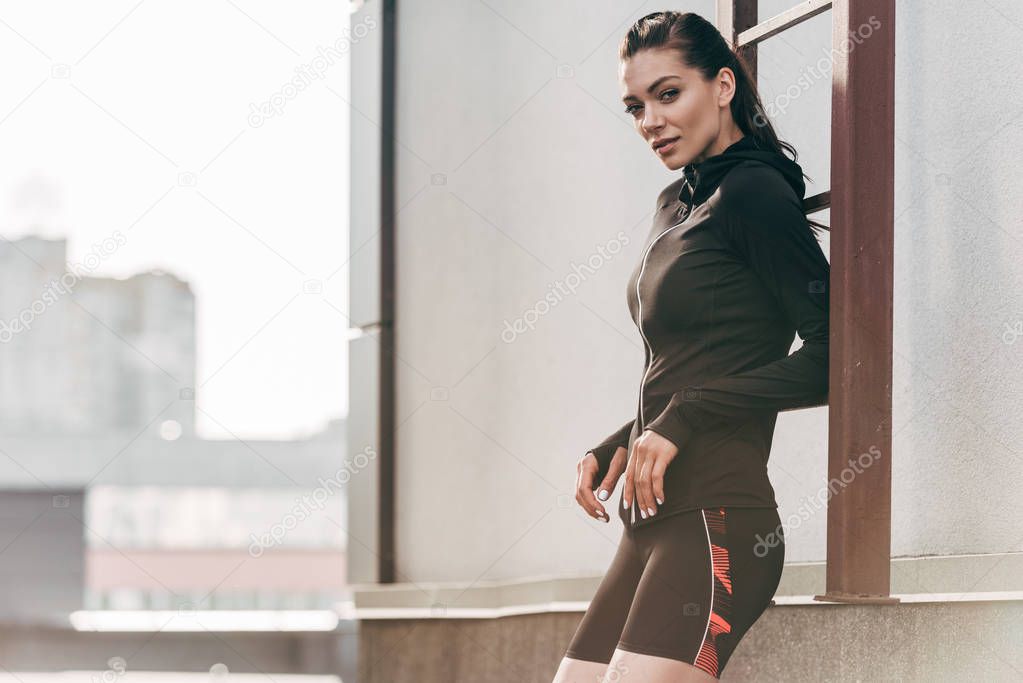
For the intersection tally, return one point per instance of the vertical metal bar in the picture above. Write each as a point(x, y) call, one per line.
point(386, 424)
point(862, 231)
point(733, 17)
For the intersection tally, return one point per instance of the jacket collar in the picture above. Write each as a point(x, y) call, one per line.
point(702, 178)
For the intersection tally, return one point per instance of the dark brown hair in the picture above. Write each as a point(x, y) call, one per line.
point(702, 47)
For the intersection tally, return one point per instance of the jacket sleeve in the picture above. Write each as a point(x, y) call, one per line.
point(605, 451)
point(768, 229)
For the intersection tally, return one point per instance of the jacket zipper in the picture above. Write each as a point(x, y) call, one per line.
point(639, 302)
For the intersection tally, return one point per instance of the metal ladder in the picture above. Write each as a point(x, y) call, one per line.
point(861, 201)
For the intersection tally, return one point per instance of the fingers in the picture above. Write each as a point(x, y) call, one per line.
point(628, 492)
point(638, 475)
point(644, 491)
point(654, 489)
point(657, 479)
point(586, 470)
point(592, 505)
point(649, 479)
point(613, 473)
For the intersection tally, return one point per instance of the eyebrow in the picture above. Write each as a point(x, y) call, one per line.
point(652, 87)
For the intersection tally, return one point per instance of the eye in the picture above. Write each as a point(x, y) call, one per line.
point(665, 96)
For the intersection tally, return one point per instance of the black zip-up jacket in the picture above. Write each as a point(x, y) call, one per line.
point(730, 273)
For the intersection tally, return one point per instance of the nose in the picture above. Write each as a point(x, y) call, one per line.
point(652, 121)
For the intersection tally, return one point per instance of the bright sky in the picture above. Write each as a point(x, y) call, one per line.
point(135, 116)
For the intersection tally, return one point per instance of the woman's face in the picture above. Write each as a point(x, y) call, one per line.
point(677, 112)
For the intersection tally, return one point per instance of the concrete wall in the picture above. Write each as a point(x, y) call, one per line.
point(515, 163)
point(958, 265)
point(811, 643)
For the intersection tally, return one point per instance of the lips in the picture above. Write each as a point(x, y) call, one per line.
point(663, 143)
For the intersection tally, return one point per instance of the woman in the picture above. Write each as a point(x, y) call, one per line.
point(730, 272)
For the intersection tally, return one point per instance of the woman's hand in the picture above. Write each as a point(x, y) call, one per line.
point(644, 474)
point(586, 470)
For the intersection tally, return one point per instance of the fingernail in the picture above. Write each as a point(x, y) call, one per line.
point(624, 504)
point(642, 513)
point(602, 494)
point(651, 511)
point(659, 501)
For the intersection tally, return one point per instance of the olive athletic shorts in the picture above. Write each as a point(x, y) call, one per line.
point(687, 587)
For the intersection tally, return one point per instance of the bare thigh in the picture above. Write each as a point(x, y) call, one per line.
point(632, 667)
point(579, 671)
point(629, 666)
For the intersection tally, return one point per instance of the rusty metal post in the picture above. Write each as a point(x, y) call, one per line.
point(733, 17)
point(862, 236)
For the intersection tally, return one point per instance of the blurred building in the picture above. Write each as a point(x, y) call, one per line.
point(113, 501)
point(91, 355)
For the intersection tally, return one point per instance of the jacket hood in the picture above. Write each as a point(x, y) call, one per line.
point(703, 177)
